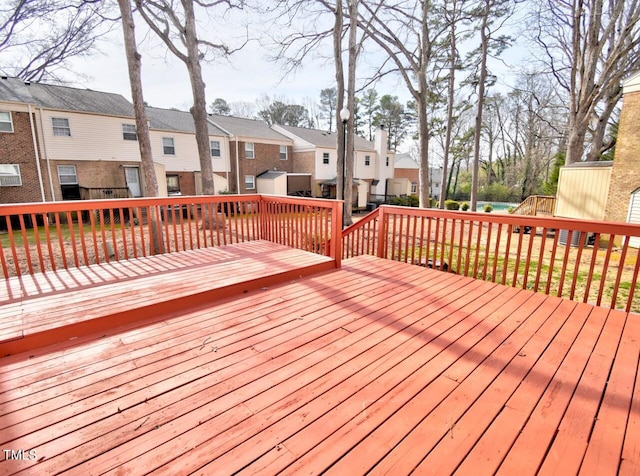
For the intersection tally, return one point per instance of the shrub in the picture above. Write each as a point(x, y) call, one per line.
point(488, 208)
point(511, 209)
point(465, 206)
point(399, 201)
point(414, 201)
point(451, 205)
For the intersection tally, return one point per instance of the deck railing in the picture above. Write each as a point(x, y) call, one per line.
point(580, 260)
point(39, 237)
point(536, 205)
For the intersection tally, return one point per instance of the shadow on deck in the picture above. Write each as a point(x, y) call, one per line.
point(380, 367)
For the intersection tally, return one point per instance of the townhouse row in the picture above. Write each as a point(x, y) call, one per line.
point(60, 143)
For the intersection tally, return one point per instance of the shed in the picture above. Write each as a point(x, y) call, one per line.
point(272, 182)
point(398, 186)
point(583, 188)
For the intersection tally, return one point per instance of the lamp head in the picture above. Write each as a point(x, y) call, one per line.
point(344, 114)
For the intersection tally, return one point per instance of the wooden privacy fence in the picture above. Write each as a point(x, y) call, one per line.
point(589, 261)
point(39, 237)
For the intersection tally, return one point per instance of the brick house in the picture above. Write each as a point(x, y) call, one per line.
point(315, 152)
point(254, 149)
point(48, 141)
point(173, 144)
point(60, 143)
point(407, 168)
point(623, 201)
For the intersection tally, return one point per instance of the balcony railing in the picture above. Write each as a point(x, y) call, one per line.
point(580, 260)
point(104, 193)
point(41, 237)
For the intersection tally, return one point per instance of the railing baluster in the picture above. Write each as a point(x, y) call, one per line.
point(576, 268)
point(36, 235)
point(634, 281)
point(25, 242)
point(14, 251)
point(565, 262)
point(616, 284)
point(47, 234)
point(543, 242)
point(73, 240)
point(496, 255)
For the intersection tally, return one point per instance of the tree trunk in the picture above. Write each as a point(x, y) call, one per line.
point(142, 124)
point(451, 85)
point(340, 126)
point(199, 108)
point(484, 48)
point(351, 101)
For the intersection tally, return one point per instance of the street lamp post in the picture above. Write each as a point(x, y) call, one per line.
point(344, 116)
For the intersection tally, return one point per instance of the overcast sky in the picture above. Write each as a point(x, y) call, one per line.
point(244, 77)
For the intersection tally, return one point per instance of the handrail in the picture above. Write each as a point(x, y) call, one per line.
point(589, 261)
point(44, 237)
point(535, 205)
point(360, 237)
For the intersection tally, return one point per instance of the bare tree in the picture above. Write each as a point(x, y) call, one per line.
point(243, 109)
point(174, 22)
point(142, 126)
point(492, 15)
point(328, 105)
point(589, 47)
point(39, 37)
point(406, 32)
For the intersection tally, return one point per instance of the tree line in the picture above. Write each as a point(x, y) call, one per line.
point(510, 138)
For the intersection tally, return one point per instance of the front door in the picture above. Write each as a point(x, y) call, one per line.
point(132, 175)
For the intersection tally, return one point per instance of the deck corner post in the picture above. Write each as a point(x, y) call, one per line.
point(382, 230)
point(337, 234)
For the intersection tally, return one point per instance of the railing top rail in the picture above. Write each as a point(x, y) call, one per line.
point(318, 202)
point(606, 227)
point(81, 205)
point(363, 221)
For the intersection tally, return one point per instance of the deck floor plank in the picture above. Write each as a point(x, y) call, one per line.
point(378, 366)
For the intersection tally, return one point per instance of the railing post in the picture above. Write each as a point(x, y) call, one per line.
point(382, 230)
point(336, 234)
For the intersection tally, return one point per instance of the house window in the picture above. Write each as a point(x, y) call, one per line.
point(325, 158)
point(67, 174)
point(283, 152)
point(249, 182)
point(129, 132)
point(10, 175)
point(173, 184)
point(367, 160)
point(168, 147)
point(6, 124)
point(387, 162)
point(215, 148)
point(61, 126)
point(249, 150)
point(414, 188)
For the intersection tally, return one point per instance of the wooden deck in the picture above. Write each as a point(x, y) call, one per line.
point(45, 308)
point(379, 366)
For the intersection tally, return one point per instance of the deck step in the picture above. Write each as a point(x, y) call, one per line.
point(38, 310)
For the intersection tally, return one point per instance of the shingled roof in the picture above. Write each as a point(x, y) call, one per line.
point(326, 139)
point(174, 120)
point(241, 127)
point(64, 98)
